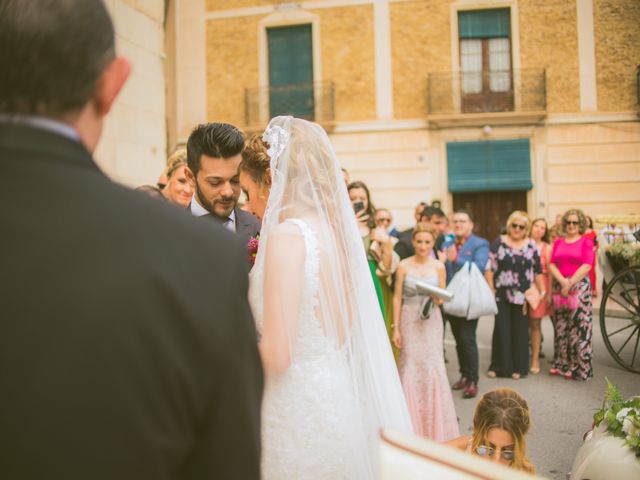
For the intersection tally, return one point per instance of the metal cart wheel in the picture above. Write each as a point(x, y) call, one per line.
point(620, 318)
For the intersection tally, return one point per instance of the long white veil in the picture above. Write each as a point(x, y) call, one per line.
point(307, 184)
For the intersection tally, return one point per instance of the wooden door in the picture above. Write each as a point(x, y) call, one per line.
point(490, 210)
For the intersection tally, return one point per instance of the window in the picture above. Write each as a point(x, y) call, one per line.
point(291, 71)
point(485, 60)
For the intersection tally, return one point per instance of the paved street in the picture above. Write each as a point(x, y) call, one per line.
point(562, 410)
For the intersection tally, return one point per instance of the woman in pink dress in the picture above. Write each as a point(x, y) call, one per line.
point(571, 260)
point(417, 333)
point(539, 236)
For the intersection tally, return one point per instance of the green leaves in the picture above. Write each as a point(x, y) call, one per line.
point(622, 417)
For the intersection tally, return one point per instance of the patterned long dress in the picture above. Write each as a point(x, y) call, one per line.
point(573, 321)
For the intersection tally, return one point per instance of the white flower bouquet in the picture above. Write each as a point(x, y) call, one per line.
point(622, 417)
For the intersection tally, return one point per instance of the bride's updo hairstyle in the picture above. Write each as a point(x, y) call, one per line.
point(255, 160)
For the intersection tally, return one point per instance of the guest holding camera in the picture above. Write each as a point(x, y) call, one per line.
point(376, 240)
point(417, 333)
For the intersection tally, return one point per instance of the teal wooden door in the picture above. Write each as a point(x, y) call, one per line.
point(291, 71)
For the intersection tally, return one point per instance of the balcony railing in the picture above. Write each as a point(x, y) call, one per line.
point(486, 92)
point(311, 101)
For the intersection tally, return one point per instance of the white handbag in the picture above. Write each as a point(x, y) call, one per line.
point(459, 286)
point(482, 301)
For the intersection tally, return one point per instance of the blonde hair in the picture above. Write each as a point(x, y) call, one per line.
point(519, 215)
point(504, 408)
point(422, 228)
point(176, 160)
point(255, 160)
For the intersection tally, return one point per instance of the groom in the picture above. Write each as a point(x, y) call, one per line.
point(127, 346)
point(214, 152)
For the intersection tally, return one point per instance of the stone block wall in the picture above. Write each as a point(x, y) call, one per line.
point(133, 145)
point(617, 25)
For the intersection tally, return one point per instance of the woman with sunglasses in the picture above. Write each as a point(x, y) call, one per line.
point(514, 267)
point(571, 261)
point(500, 424)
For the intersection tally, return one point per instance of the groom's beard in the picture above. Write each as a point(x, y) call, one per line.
point(222, 207)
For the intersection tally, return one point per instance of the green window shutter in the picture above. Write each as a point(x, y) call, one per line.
point(291, 71)
point(489, 166)
point(484, 23)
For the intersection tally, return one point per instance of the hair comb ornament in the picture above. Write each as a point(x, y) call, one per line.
point(277, 138)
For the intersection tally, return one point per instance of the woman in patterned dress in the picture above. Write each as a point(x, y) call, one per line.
point(514, 267)
point(571, 261)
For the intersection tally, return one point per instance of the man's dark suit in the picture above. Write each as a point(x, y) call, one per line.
point(247, 225)
point(127, 346)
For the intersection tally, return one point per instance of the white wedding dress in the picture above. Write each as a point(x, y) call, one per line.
point(331, 381)
point(312, 427)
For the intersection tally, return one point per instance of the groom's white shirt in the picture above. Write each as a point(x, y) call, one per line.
point(198, 210)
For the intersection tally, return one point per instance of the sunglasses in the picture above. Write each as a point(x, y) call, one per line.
point(485, 451)
point(572, 222)
point(518, 226)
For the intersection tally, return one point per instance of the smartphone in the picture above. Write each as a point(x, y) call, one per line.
point(358, 207)
point(449, 239)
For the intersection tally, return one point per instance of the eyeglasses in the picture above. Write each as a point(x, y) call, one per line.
point(518, 226)
point(572, 222)
point(485, 451)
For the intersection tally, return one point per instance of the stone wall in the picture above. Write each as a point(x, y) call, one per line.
point(617, 25)
point(133, 145)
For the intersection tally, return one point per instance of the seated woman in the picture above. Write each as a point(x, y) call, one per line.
point(500, 423)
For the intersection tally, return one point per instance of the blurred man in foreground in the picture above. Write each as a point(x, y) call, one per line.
point(127, 347)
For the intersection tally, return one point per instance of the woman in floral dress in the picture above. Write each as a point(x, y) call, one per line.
point(514, 267)
point(571, 261)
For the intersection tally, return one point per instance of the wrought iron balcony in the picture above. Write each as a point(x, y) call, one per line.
point(311, 101)
point(519, 91)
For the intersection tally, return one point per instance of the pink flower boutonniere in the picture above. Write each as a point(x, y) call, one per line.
point(252, 248)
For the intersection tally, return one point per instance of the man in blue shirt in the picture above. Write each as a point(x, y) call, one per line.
point(467, 248)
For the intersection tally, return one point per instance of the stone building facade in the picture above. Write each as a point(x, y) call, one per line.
point(487, 104)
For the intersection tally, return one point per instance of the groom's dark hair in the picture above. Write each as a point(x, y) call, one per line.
point(52, 53)
point(218, 140)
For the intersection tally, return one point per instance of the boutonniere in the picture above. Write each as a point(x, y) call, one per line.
point(252, 248)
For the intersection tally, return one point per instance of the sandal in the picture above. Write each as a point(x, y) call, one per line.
point(534, 371)
point(555, 371)
point(491, 374)
point(568, 375)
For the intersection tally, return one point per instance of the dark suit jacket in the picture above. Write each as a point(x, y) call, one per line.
point(247, 225)
point(127, 346)
point(404, 247)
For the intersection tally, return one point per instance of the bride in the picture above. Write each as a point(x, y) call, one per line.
point(331, 381)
